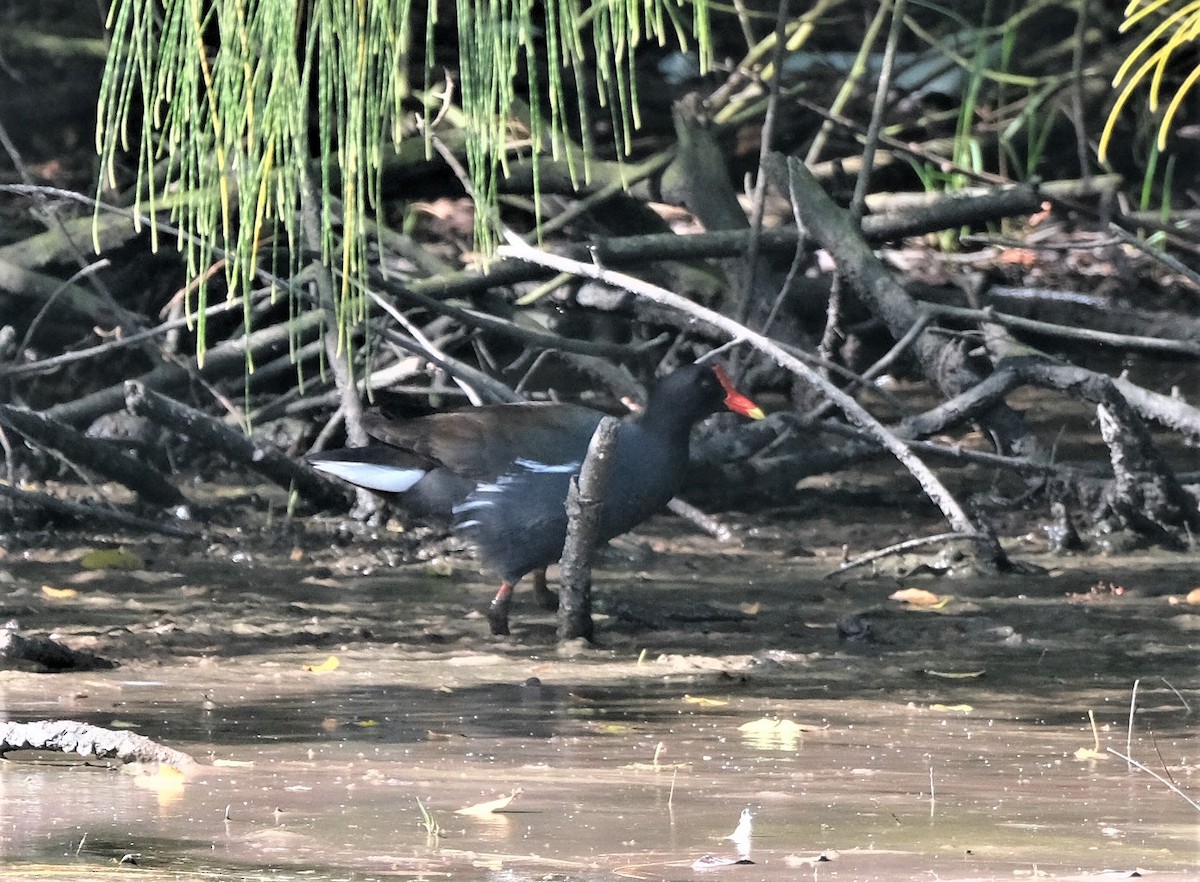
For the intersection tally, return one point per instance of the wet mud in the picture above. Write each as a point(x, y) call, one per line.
point(346, 710)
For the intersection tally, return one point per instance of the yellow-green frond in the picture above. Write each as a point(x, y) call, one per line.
point(1151, 58)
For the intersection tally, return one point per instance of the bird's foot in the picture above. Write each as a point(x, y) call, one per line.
point(497, 612)
point(498, 620)
point(547, 598)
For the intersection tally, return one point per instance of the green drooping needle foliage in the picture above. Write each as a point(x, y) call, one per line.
point(222, 101)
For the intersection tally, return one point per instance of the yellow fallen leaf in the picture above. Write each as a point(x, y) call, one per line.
point(704, 702)
point(613, 728)
point(779, 728)
point(1193, 596)
point(492, 805)
point(921, 598)
point(917, 597)
point(1088, 753)
point(750, 609)
point(783, 735)
point(366, 724)
point(59, 593)
point(111, 559)
point(330, 664)
point(952, 708)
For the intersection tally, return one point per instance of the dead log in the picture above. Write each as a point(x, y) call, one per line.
point(236, 447)
point(69, 736)
point(43, 655)
point(99, 456)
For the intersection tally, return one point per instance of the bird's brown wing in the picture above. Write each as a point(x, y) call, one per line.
point(483, 443)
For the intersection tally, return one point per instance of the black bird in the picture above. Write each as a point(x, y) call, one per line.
point(500, 473)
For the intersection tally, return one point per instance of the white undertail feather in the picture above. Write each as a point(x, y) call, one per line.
point(385, 479)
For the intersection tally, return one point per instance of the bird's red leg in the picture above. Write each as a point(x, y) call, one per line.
point(498, 609)
point(545, 596)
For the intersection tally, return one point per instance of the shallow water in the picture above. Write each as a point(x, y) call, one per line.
point(631, 758)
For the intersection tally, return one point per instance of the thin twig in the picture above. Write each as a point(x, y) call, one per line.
point(1172, 787)
point(83, 272)
point(958, 453)
point(143, 219)
point(421, 339)
point(764, 150)
point(527, 336)
point(1187, 708)
point(875, 127)
point(1065, 332)
point(864, 381)
point(1132, 711)
point(853, 77)
point(57, 361)
point(798, 261)
point(898, 548)
point(1078, 118)
point(52, 219)
point(1172, 263)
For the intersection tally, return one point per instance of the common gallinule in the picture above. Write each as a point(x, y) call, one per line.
point(500, 473)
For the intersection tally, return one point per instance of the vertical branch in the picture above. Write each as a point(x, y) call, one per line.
point(1077, 118)
point(339, 356)
point(877, 113)
point(764, 150)
point(585, 504)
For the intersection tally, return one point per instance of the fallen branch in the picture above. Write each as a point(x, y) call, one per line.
point(99, 456)
point(943, 362)
point(952, 211)
point(1128, 342)
point(46, 365)
point(92, 514)
point(237, 447)
point(69, 736)
point(897, 548)
point(44, 655)
point(1146, 493)
point(987, 548)
point(226, 359)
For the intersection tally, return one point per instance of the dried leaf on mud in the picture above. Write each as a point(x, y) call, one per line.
point(920, 597)
point(701, 701)
point(489, 807)
point(111, 559)
point(52, 593)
